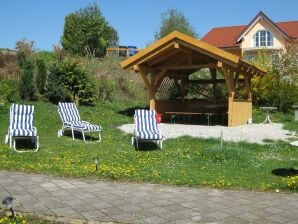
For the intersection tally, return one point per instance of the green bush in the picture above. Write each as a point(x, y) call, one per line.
point(41, 75)
point(57, 91)
point(279, 87)
point(106, 88)
point(67, 81)
point(25, 51)
point(27, 81)
point(8, 91)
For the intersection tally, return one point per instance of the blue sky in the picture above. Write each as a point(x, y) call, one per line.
point(135, 20)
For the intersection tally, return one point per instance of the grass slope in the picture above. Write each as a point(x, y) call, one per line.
point(182, 161)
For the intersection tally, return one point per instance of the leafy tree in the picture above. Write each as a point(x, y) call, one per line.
point(8, 91)
point(25, 51)
point(27, 81)
point(41, 75)
point(279, 87)
point(174, 20)
point(67, 81)
point(87, 31)
point(284, 91)
point(57, 91)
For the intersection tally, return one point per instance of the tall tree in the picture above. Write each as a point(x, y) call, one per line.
point(87, 31)
point(174, 20)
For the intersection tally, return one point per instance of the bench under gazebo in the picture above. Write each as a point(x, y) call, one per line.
point(173, 62)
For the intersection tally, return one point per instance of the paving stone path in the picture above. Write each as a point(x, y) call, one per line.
point(94, 201)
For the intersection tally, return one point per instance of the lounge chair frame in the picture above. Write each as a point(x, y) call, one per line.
point(26, 111)
point(147, 118)
point(73, 122)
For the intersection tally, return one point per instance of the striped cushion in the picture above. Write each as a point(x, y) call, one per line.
point(71, 117)
point(146, 125)
point(23, 132)
point(68, 112)
point(83, 125)
point(21, 120)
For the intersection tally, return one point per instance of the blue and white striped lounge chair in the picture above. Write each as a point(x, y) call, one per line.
point(70, 117)
point(21, 126)
point(146, 128)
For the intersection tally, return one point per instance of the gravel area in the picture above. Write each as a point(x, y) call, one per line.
point(252, 133)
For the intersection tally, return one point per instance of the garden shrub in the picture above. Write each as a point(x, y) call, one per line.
point(27, 81)
point(41, 75)
point(67, 81)
point(106, 88)
point(25, 51)
point(8, 91)
point(279, 87)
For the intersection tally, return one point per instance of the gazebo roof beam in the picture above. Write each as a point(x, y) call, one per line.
point(209, 81)
point(232, 62)
point(160, 59)
point(185, 67)
point(157, 52)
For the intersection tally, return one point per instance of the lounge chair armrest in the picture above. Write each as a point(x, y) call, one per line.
point(86, 122)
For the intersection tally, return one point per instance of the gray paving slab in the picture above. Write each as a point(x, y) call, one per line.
point(72, 200)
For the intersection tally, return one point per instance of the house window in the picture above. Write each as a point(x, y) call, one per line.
point(263, 38)
point(250, 58)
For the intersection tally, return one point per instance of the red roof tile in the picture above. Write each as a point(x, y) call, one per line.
point(290, 28)
point(227, 36)
point(223, 36)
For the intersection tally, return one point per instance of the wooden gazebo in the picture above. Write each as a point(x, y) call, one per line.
point(176, 56)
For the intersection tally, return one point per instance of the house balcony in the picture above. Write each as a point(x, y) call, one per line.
point(268, 48)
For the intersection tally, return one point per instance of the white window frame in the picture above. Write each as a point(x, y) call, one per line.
point(257, 38)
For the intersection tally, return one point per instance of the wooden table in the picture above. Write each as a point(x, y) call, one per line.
point(174, 113)
point(268, 109)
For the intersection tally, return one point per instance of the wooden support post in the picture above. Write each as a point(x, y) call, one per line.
point(231, 90)
point(214, 84)
point(247, 82)
point(159, 78)
point(144, 72)
point(152, 103)
point(152, 92)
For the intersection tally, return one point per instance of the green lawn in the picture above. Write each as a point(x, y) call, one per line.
point(182, 161)
point(22, 219)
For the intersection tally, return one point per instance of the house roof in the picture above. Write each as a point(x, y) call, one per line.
point(226, 37)
point(177, 50)
point(290, 28)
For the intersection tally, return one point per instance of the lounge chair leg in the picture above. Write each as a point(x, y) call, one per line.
point(160, 142)
point(14, 144)
point(72, 132)
point(6, 139)
point(60, 133)
point(132, 140)
point(99, 137)
point(83, 136)
point(10, 142)
point(37, 143)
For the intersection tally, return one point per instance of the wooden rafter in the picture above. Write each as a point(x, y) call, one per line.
point(162, 58)
point(160, 75)
point(185, 67)
point(211, 55)
point(162, 49)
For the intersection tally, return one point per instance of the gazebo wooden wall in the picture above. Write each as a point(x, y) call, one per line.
point(178, 55)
